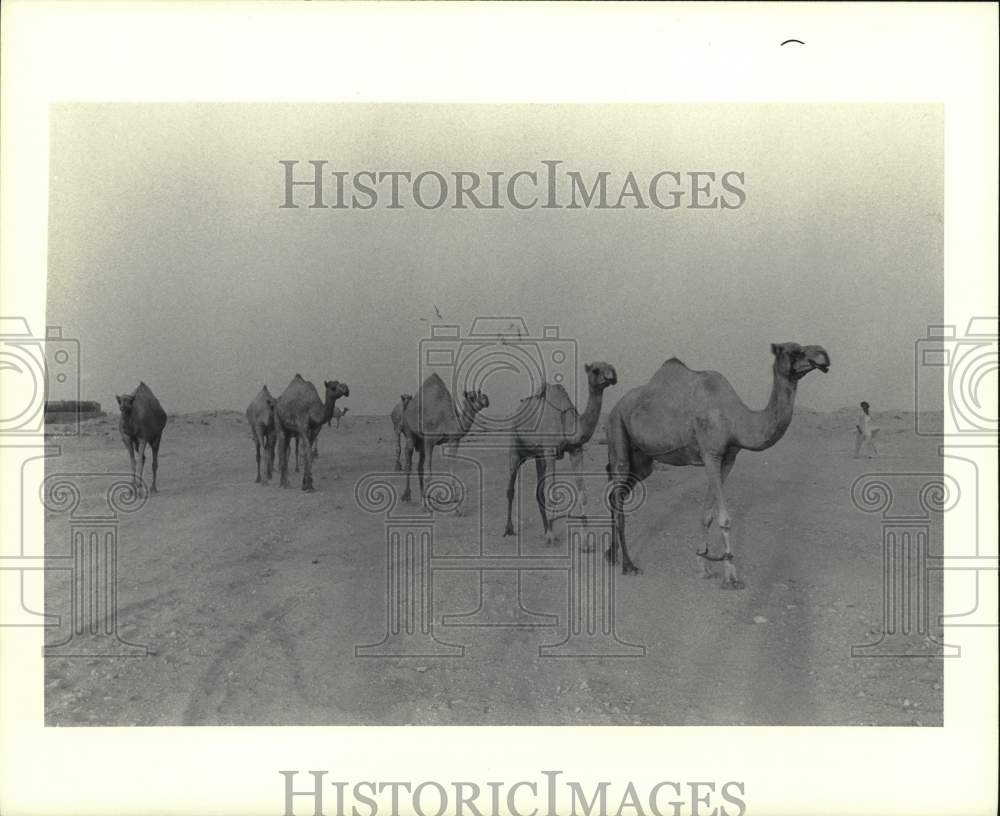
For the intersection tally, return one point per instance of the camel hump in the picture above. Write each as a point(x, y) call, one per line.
point(432, 408)
point(434, 380)
point(297, 383)
point(434, 389)
point(672, 369)
point(148, 414)
point(432, 392)
point(556, 396)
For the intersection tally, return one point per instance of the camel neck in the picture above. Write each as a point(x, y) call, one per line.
point(328, 407)
point(764, 428)
point(587, 422)
point(465, 416)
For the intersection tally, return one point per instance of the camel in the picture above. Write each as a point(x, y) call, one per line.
point(142, 422)
point(685, 417)
point(299, 413)
point(397, 424)
point(338, 414)
point(260, 416)
point(551, 428)
point(433, 418)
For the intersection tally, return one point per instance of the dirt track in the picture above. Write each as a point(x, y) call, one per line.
point(253, 598)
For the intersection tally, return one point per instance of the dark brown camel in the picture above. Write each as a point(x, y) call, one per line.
point(142, 422)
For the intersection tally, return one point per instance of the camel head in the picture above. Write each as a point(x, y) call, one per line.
point(125, 402)
point(405, 399)
point(335, 390)
point(474, 401)
point(793, 361)
point(601, 375)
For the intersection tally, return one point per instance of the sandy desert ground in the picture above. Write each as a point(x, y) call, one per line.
point(253, 598)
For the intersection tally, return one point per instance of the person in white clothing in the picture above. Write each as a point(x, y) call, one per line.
point(866, 433)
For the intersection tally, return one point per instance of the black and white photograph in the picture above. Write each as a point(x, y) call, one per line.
point(577, 415)
point(571, 321)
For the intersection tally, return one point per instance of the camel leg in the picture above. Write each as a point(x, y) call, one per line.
point(545, 468)
point(283, 442)
point(142, 457)
point(268, 457)
point(705, 567)
point(420, 466)
point(620, 474)
point(399, 438)
point(619, 495)
point(256, 444)
point(307, 474)
point(515, 460)
point(540, 497)
point(155, 445)
point(409, 467)
point(453, 453)
point(858, 440)
point(709, 516)
point(298, 445)
point(576, 463)
point(714, 468)
point(131, 456)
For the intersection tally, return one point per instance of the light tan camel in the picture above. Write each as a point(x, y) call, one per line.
point(142, 422)
point(684, 417)
point(299, 412)
point(397, 424)
point(550, 427)
point(433, 418)
point(260, 416)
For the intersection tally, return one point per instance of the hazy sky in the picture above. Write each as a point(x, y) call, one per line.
point(171, 261)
